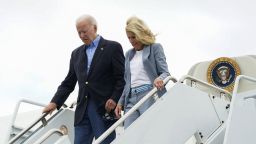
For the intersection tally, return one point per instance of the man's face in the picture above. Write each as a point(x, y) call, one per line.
point(86, 31)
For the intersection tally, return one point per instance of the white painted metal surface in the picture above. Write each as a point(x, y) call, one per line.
point(65, 117)
point(241, 128)
point(64, 140)
point(246, 63)
point(218, 136)
point(179, 114)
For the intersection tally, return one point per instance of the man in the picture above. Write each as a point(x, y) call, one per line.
point(98, 67)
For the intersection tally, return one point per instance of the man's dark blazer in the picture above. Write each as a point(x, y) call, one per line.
point(104, 80)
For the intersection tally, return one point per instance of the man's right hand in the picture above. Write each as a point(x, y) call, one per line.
point(50, 108)
point(118, 111)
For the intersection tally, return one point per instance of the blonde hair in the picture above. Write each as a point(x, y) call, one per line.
point(141, 30)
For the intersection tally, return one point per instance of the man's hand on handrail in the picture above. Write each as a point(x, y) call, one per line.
point(50, 108)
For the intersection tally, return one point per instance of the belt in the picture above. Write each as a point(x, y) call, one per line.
point(140, 89)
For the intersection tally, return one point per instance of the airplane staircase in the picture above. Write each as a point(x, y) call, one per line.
point(192, 111)
point(54, 129)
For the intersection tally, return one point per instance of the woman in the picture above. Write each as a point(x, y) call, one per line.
point(145, 67)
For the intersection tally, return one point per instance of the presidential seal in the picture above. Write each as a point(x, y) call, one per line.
point(222, 73)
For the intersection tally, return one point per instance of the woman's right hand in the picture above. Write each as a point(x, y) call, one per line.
point(118, 110)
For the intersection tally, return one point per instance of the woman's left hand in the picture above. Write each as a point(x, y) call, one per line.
point(158, 83)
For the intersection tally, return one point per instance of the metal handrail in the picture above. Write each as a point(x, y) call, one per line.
point(18, 105)
point(62, 131)
point(134, 108)
point(207, 84)
point(41, 118)
point(235, 91)
point(15, 115)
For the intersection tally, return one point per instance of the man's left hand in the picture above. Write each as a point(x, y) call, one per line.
point(110, 105)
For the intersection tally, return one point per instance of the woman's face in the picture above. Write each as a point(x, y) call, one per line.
point(135, 43)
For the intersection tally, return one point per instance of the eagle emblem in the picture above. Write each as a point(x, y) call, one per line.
point(222, 73)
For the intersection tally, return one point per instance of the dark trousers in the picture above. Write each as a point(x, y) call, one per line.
point(92, 126)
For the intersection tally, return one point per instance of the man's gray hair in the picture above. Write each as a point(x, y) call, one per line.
point(87, 18)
